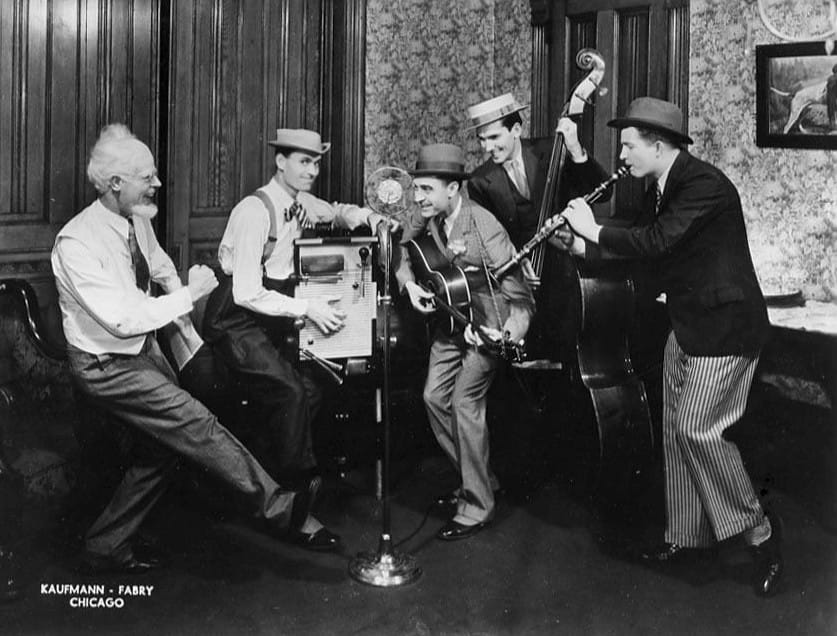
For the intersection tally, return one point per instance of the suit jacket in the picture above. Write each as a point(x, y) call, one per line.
point(698, 245)
point(490, 187)
point(478, 230)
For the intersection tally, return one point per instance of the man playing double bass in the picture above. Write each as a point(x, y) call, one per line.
point(460, 369)
point(510, 185)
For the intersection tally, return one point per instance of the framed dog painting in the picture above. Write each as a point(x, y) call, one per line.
point(796, 96)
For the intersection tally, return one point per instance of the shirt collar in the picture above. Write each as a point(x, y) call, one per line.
point(451, 218)
point(281, 196)
point(110, 219)
point(517, 156)
point(661, 180)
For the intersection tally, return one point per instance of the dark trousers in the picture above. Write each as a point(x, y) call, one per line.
point(142, 391)
point(254, 348)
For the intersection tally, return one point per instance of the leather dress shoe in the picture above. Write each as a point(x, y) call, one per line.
point(449, 500)
point(665, 552)
point(454, 531)
point(95, 564)
point(323, 540)
point(768, 564)
point(149, 551)
point(674, 552)
point(303, 503)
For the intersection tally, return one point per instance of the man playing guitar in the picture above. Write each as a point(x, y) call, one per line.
point(461, 366)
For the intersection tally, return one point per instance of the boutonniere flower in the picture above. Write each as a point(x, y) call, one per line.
point(457, 247)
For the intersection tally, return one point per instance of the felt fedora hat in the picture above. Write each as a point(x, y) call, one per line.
point(653, 113)
point(300, 139)
point(493, 110)
point(440, 160)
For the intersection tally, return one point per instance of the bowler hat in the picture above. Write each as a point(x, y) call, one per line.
point(300, 139)
point(440, 160)
point(653, 113)
point(492, 110)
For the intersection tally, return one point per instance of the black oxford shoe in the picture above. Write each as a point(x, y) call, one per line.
point(94, 564)
point(453, 531)
point(449, 500)
point(323, 540)
point(676, 553)
point(768, 565)
point(664, 552)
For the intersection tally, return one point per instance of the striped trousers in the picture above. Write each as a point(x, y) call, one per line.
point(709, 496)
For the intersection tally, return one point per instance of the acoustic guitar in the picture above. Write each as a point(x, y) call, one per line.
point(451, 285)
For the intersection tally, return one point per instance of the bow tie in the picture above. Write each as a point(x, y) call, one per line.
point(296, 210)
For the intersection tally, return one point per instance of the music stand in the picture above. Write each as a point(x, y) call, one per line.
point(386, 192)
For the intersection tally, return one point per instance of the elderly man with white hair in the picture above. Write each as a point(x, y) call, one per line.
point(104, 259)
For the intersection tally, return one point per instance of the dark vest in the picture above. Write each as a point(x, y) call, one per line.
point(525, 222)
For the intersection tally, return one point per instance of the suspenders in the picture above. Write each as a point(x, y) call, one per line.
point(270, 245)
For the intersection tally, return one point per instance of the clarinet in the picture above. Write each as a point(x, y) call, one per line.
point(554, 223)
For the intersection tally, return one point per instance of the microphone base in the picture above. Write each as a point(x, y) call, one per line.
point(386, 568)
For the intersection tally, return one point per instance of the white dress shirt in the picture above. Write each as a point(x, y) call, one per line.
point(509, 167)
point(242, 246)
point(661, 180)
point(449, 221)
point(103, 310)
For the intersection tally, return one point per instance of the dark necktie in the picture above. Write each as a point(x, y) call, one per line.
point(658, 197)
point(296, 210)
point(440, 227)
point(138, 262)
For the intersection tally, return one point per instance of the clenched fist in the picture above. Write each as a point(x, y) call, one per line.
point(201, 281)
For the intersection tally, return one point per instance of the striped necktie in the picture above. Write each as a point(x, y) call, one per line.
point(141, 273)
point(658, 197)
point(296, 210)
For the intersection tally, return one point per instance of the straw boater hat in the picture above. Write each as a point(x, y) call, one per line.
point(300, 139)
point(493, 110)
point(440, 160)
point(656, 114)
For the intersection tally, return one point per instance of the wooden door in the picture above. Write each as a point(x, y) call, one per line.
point(238, 71)
point(645, 45)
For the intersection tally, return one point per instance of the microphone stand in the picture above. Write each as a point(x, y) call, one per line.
point(386, 567)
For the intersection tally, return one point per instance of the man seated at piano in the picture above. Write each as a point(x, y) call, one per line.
point(249, 316)
point(461, 234)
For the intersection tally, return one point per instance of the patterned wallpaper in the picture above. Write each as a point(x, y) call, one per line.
point(789, 195)
point(428, 60)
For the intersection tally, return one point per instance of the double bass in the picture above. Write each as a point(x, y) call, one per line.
point(605, 310)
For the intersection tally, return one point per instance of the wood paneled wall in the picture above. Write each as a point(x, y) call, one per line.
point(66, 67)
point(240, 70)
point(204, 83)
